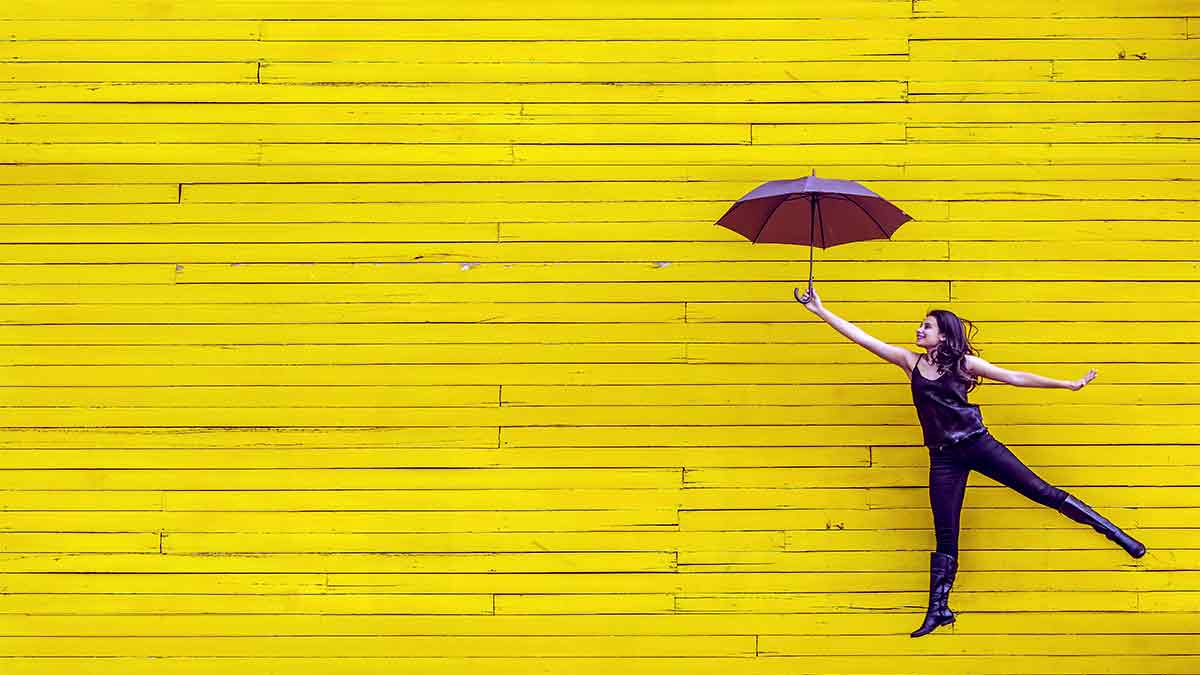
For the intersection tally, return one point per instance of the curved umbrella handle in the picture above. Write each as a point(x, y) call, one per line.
point(807, 294)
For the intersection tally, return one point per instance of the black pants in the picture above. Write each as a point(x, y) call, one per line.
point(948, 469)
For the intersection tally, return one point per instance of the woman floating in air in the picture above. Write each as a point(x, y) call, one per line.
point(958, 441)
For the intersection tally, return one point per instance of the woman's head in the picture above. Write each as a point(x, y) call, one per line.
point(944, 337)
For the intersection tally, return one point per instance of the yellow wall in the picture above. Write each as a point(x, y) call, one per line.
point(405, 342)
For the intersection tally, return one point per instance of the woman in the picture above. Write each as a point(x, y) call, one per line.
point(958, 441)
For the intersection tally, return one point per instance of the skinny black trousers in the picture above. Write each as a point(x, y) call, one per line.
point(948, 470)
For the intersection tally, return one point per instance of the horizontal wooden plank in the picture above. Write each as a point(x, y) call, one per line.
point(767, 312)
point(251, 110)
point(802, 330)
point(390, 646)
point(633, 665)
point(298, 524)
point(588, 416)
point(642, 292)
point(187, 271)
point(1056, 356)
point(918, 476)
point(861, 648)
point(809, 561)
point(642, 72)
point(601, 25)
point(898, 191)
point(474, 478)
point(423, 133)
point(425, 10)
point(1124, 70)
point(1063, 8)
point(527, 373)
point(1069, 47)
point(641, 212)
point(1122, 132)
point(531, 437)
point(341, 543)
point(234, 578)
point(136, 41)
point(89, 194)
point(427, 499)
point(208, 618)
point(1034, 91)
point(128, 72)
point(764, 456)
point(857, 300)
point(828, 92)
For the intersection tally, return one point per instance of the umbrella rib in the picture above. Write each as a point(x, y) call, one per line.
point(768, 220)
point(822, 221)
point(860, 206)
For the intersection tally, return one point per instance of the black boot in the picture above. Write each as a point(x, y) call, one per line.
point(1082, 513)
point(942, 568)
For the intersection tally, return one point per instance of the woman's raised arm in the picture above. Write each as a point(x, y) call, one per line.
point(900, 356)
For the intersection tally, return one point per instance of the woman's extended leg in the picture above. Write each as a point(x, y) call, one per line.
point(991, 458)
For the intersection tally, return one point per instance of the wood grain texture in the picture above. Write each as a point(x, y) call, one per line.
point(348, 337)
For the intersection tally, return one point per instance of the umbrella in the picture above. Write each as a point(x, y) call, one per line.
point(812, 211)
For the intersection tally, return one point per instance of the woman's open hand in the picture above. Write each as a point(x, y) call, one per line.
point(810, 300)
point(1079, 384)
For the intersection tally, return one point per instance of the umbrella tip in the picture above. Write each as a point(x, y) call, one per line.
point(814, 172)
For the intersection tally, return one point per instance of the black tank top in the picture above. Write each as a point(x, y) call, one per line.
point(942, 407)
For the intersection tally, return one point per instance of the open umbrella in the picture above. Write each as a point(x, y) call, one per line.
point(812, 211)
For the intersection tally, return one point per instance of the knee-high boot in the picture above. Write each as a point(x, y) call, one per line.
point(942, 568)
point(1082, 513)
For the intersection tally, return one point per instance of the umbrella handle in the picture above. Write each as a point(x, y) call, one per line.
point(807, 294)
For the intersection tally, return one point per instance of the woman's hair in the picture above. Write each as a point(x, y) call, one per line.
point(956, 344)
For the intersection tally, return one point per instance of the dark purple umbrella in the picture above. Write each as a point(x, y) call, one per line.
point(812, 211)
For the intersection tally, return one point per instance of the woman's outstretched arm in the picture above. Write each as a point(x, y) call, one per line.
point(1023, 379)
point(898, 355)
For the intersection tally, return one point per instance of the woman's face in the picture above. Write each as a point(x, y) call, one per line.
point(928, 335)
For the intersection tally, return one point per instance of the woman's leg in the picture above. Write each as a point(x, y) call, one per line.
point(947, 486)
point(993, 459)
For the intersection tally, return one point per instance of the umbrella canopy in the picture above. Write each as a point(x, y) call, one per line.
point(813, 211)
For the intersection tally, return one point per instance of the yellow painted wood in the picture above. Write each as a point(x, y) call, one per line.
point(797, 91)
point(362, 336)
point(327, 9)
point(1064, 8)
point(1145, 175)
point(88, 194)
point(678, 27)
point(589, 416)
point(216, 621)
point(1030, 90)
point(797, 329)
point(827, 71)
point(897, 191)
point(28, 22)
point(1068, 48)
point(143, 44)
point(763, 665)
point(128, 72)
point(402, 133)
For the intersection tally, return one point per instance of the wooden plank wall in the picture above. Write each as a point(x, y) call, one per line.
point(346, 337)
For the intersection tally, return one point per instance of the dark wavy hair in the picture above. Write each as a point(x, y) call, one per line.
point(948, 357)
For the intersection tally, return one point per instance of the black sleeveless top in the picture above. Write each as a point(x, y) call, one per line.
point(946, 416)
